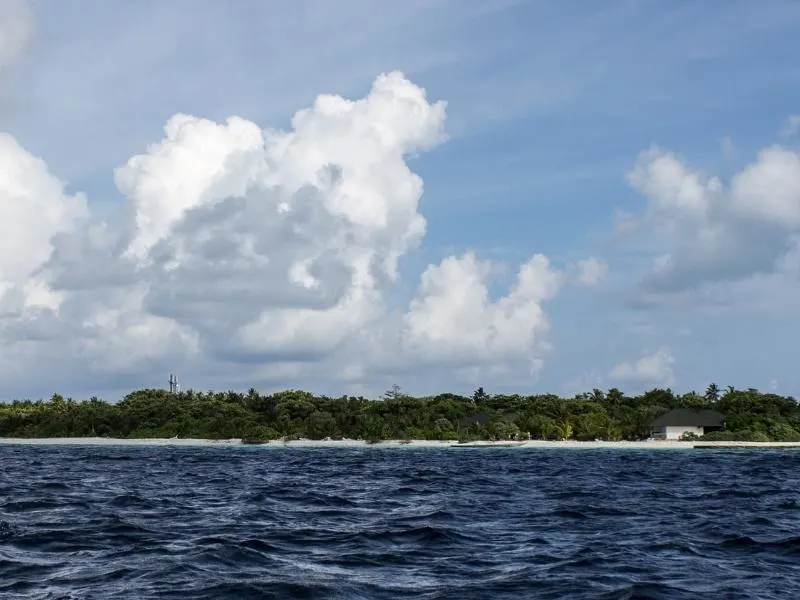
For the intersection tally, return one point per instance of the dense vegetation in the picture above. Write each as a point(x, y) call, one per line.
point(612, 415)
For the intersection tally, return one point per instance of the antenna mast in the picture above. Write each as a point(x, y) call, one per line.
point(174, 388)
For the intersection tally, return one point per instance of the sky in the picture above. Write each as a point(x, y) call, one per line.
point(529, 197)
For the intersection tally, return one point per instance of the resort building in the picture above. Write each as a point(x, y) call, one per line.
point(674, 424)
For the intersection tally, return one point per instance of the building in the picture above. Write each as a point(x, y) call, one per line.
point(674, 424)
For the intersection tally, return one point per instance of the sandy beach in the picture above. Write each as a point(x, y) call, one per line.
point(531, 444)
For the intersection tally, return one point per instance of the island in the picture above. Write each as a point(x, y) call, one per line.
point(744, 415)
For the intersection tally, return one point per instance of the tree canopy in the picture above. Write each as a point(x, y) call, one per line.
point(751, 415)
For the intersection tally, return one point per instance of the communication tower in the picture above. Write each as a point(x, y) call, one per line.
point(173, 383)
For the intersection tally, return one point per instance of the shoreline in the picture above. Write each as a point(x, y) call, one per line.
point(530, 444)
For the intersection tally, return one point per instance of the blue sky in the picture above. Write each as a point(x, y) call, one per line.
point(549, 106)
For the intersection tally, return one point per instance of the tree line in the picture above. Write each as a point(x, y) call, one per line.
point(612, 415)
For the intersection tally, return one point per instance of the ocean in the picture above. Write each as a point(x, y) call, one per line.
point(106, 522)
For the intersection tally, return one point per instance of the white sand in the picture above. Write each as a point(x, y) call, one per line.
point(652, 445)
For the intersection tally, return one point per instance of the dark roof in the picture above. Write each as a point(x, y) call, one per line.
point(690, 417)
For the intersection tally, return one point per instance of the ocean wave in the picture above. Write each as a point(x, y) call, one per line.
point(209, 522)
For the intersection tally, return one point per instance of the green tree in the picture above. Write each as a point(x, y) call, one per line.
point(479, 396)
point(393, 393)
point(712, 393)
point(749, 414)
point(564, 429)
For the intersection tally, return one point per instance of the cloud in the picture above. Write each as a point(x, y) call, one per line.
point(33, 209)
point(769, 189)
point(655, 368)
point(147, 62)
point(46, 330)
point(271, 252)
point(705, 232)
point(453, 319)
point(728, 148)
point(298, 230)
point(16, 31)
point(674, 190)
point(792, 126)
point(591, 271)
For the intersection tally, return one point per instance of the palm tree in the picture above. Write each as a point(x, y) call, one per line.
point(564, 429)
point(712, 393)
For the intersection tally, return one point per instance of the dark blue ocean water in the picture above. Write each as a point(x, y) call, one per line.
point(243, 522)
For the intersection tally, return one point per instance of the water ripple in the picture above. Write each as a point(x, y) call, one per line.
point(139, 522)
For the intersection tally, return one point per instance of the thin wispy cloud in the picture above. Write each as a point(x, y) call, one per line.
point(792, 126)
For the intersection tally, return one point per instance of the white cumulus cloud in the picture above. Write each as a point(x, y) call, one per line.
point(454, 319)
point(707, 232)
point(769, 189)
point(33, 209)
point(263, 252)
point(655, 368)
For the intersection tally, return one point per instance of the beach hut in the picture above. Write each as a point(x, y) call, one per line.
point(675, 423)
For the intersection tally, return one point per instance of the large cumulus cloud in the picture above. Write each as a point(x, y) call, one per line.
point(268, 251)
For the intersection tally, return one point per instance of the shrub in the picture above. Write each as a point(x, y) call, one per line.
point(721, 436)
point(745, 435)
point(782, 432)
point(259, 435)
point(756, 436)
